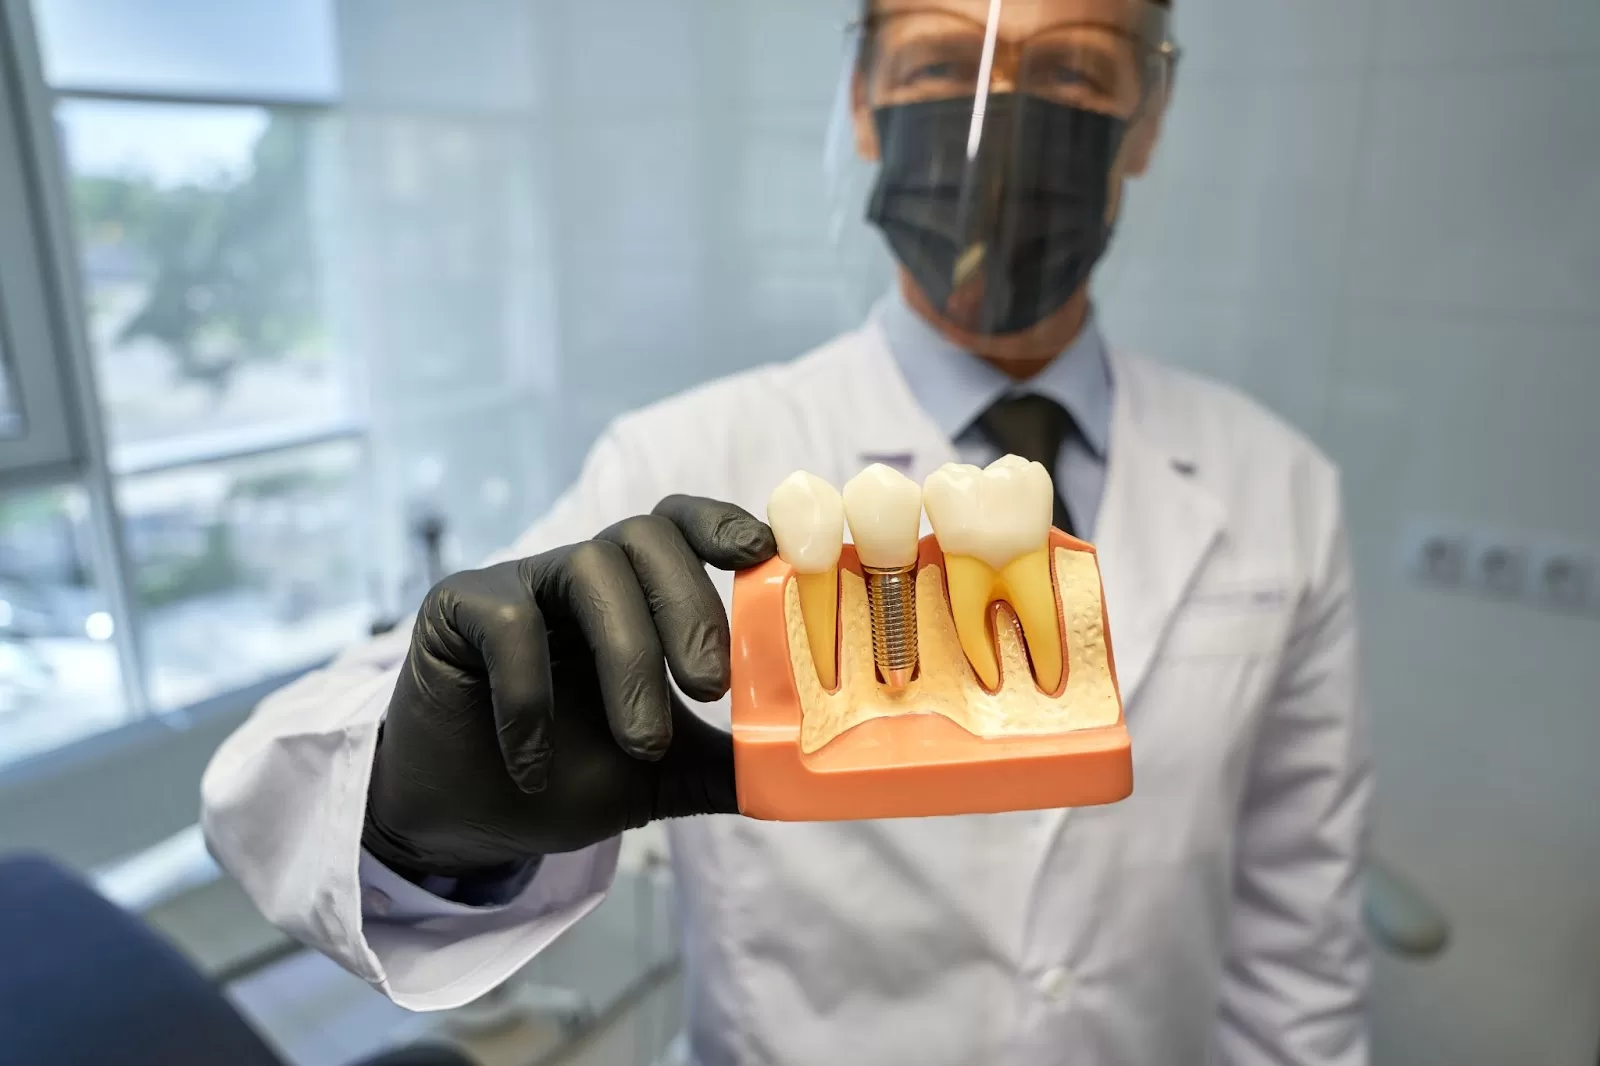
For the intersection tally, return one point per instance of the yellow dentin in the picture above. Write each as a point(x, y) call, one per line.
point(819, 608)
point(1026, 586)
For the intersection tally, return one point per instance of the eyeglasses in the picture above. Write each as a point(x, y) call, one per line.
point(932, 54)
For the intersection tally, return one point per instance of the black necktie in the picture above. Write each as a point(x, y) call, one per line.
point(1034, 427)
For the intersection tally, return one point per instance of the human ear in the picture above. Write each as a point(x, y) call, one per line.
point(1140, 146)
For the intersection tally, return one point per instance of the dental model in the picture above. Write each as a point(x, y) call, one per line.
point(884, 508)
point(965, 672)
point(993, 526)
point(807, 518)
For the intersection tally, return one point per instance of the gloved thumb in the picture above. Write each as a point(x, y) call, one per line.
point(697, 774)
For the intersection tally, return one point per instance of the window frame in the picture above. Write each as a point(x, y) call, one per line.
point(30, 327)
point(197, 449)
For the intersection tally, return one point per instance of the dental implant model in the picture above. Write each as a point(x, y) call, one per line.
point(884, 509)
point(964, 672)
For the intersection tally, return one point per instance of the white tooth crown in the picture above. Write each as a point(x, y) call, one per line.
point(884, 508)
point(994, 515)
point(993, 526)
point(807, 518)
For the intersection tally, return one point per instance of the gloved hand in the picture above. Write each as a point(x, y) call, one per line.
point(533, 713)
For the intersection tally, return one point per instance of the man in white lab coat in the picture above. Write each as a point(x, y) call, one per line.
point(437, 806)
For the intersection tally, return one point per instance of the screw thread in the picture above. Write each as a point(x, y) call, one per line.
point(892, 602)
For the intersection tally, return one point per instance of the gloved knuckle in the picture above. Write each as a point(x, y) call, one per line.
point(595, 557)
point(512, 614)
point(643, 528)
point(440, 601)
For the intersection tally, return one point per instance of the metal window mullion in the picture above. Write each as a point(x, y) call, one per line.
point(115, 574)
point(113, 569)
point(243, 446)
point(29, 338)
point(192, 99)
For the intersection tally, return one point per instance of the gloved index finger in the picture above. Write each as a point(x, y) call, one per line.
point(726, 536)
point(593, 585)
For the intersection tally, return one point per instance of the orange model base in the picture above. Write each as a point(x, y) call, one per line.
point(945, 745)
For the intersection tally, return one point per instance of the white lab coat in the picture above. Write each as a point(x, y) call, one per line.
point(1212, 916)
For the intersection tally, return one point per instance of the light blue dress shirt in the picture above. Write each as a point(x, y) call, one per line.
point(955, 387)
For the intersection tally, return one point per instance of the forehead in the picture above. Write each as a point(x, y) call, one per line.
point(1019, 18)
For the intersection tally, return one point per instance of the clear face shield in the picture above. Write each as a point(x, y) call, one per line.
point(1001, 132)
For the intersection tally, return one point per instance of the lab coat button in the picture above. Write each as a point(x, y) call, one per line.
point(375, 902)
point(1054, 983)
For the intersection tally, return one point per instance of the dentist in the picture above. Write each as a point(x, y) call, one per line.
point(437, 806)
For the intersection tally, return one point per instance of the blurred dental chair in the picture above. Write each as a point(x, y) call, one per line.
point(84, 982)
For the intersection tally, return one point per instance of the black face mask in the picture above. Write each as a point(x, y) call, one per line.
point(999, 243)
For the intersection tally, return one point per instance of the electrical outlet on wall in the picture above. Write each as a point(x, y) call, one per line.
point(1562, 578)
point(1537, 571)
point(1498, 566)
point(1436, 555)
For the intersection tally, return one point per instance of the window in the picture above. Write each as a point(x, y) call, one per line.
point(246, 568)
point(268, 49)
point(201, 269)
point(210, 528)
point(59, 675)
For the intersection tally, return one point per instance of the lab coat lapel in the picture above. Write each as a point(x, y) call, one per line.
point(1157, 523)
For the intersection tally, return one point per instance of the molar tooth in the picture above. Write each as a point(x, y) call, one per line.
point(807, 518)
point(993, 526)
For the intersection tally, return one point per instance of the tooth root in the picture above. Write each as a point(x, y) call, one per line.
point(819, 608)
point(971, 584)
point(1025, 584)
point(1031, 593)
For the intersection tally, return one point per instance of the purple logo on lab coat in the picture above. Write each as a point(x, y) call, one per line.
point(900, 461)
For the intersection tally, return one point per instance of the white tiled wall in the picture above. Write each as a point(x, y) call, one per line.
point(1249, 38)
point(1462, 33)
point(1383, 220)
point(1477, 188)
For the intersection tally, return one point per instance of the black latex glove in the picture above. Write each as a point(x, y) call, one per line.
point(533, 713)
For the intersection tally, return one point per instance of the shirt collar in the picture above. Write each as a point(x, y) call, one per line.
point(954, 387)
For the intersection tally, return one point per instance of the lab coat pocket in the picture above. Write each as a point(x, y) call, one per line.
point(1239, 616)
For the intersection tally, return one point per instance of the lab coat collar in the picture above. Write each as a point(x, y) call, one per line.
point(1158, 519)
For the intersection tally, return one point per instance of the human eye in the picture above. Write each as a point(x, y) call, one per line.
point(1074, 75)
point(943, 66)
